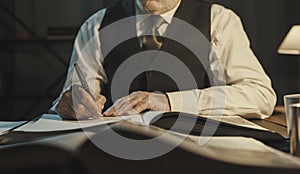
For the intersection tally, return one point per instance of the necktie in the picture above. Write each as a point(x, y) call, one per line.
point(152, 41)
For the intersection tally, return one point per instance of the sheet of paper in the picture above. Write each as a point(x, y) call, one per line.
point(235, 143)
point(147, 118)
point(144, 119)
point(237, 120)
point(4, 125)
point(50, 123)
point(246, 151)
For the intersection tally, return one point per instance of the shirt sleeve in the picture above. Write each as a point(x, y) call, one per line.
point(247, 90)
point(87, 54)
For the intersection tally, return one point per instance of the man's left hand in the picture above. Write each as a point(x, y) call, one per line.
point(138, 102)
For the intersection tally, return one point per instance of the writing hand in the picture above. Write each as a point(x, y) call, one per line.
point(138, 102)
point(78, 104)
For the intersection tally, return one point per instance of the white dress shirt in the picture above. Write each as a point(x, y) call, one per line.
point(248, 91)
point(141, 17)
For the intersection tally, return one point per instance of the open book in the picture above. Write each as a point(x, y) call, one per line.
point(174, 121)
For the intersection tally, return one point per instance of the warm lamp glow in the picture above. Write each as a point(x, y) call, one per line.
point(291, 43)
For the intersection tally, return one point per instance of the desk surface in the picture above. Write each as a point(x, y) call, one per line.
point(276, 123)
point(234, 157)
point(186, 155)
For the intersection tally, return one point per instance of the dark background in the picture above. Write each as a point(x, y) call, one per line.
point(33, 69)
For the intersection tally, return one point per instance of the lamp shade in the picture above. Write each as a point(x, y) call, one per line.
point(291, 43)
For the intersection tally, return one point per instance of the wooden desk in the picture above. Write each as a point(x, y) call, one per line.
point(276, 123)
point(73, 152)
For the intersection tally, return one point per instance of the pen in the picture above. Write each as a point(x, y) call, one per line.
point(82, 80)
point(16, 127)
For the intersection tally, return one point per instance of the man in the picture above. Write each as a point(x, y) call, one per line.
point(248, 90)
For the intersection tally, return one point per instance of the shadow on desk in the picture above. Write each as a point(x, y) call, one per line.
point(36, 159)
point(276, 123)
point(47, 156)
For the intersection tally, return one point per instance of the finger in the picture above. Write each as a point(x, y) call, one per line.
point(84, 98)
point(142, 107)
point(100, 101)
point(119, 103)
point(128, 108)
point(121, 106)
point(100, 106)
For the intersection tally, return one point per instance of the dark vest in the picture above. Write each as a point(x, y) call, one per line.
point(195, 12)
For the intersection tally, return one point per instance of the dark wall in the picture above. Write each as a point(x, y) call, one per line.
point(6, 59)
point(32, 67)
point(31, 75)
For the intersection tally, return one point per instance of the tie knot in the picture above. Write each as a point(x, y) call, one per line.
point(152, 39)
point(154, 21)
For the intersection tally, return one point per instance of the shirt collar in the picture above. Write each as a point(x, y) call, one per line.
point(141, 13)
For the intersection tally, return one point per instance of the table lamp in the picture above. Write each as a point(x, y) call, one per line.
point(291, 43)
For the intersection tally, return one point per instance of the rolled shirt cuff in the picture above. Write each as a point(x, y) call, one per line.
point(184, 101)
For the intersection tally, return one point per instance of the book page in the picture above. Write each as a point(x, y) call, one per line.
point(235, 120)
point(144, 118)
point(50, 123)
point(246, 151)
point(238, 121)
point(148, 117)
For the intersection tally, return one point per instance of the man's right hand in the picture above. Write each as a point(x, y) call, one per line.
point(77, 104)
